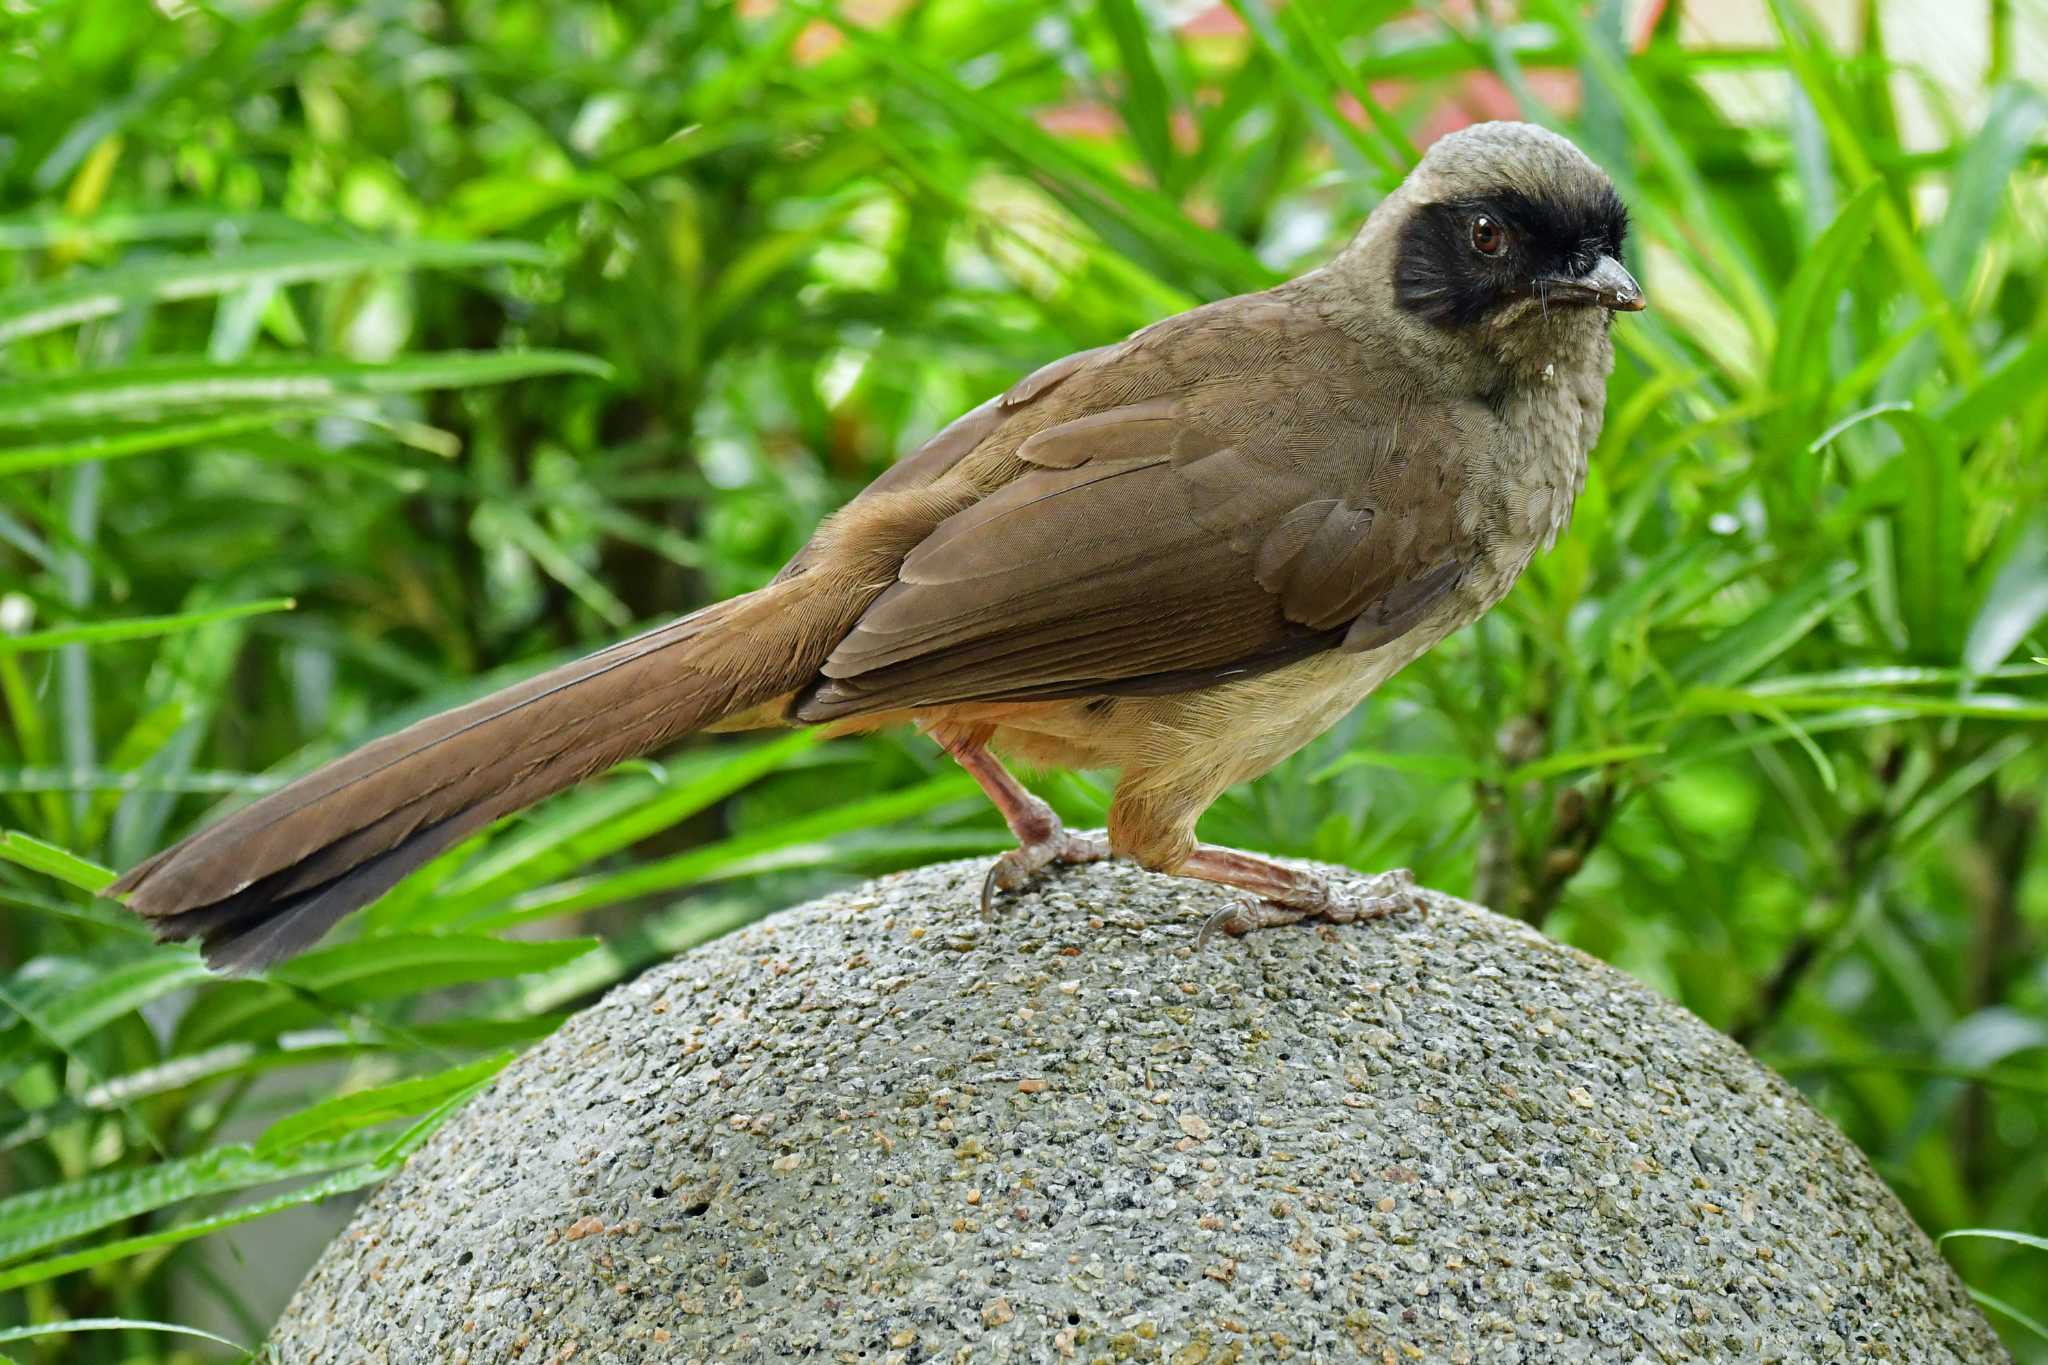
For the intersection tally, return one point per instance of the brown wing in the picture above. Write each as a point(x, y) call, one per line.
point(1182, 538)
point(957, 440)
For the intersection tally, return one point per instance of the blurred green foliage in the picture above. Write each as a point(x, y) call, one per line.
point(482, 331)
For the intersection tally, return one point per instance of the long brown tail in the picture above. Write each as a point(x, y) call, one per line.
point(273, 877)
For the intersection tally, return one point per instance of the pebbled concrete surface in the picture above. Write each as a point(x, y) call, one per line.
point(876, 1128)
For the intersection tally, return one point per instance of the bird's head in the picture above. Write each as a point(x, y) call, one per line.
point(1510, 228)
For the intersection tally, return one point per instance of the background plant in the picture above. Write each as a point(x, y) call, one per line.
point(482, 332)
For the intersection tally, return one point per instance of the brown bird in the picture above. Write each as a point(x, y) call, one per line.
point(1181, 556)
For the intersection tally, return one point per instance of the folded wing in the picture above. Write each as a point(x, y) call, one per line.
point(1172, 542)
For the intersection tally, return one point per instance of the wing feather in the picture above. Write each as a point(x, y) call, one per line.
point(1173, 523)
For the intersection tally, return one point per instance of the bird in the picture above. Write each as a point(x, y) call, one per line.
point(1181, 556)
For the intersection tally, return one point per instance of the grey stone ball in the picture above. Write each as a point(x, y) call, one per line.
point(877, 1127)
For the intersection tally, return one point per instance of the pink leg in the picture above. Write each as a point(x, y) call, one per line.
point(1041, 839)
point(1288, 896)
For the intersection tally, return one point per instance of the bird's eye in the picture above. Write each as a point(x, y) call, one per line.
point(1487, 236)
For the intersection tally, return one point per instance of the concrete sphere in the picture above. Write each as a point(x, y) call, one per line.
point(877, 1127)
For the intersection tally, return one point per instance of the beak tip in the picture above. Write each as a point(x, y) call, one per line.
point(1608, 284)
point(1617, 288)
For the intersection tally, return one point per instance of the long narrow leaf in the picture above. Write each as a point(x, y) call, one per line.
point(44, 1217)
point(1806, 311)
point(145, 390)
point(406, 964)
point(2004, 391)
point(341, 1182)
point(738, 856)
point(370, 1108)
point(25, 312)
point(549, 849)
point(38, 856)
point(1981, 705)
point(1161, 224)
point(2025, 1239)
point(110, 992)
point(115, 446)
point(1740, 651)
point(1147, 110)
point(138, 628)
point(2018, 1315)
point(70, 1325)
point(1929, 537)
point(42, 228)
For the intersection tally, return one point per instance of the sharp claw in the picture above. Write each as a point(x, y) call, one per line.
point(1220, 920)
point(1020, 866)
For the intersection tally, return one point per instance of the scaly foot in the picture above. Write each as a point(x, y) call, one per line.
point(1021, 865)
point(1318, 898)
point(1041, 839)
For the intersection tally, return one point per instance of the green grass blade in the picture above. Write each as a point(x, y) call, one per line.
point(1883, 676)
point(2018, 1315)
point(152, 731)
point(38, 856)
point(555, 847)
point(1983, 182)
point(42, 229)
point(1977, 706)
point(393, 965)
point(1166, 230)
point(341, 1182)
point(1811, 63)
point(2015, 602)
point(45, 1217)
point(189, 1072)
point(374, 1107)
point(1147, 109)
point(407, 1142)
point(2025, 1239)
point(109, 993)
point(138, 628)
point(2001, 1078)
point(1740, 651)
point(1928, 540)
point(26, 312)
point(1923, 816)
point(2005, 391)
point(1806, 313)
point(1443, 767)
point(518, 526)
point(146, 390)
point(115, 446)
point(801, 841)
point(1557, 765)
point(70, 1325)
point(1318, 79)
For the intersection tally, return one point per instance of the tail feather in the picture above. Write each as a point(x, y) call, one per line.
point(263, 924)
point(273, 877)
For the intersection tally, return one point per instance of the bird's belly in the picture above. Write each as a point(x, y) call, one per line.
point(1253, 725)
point(1231, 732)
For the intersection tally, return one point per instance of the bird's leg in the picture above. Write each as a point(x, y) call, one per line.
point(1041, 839)
point(1287, 895)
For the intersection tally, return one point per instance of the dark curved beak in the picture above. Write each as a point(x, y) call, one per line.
point(1608, 284)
